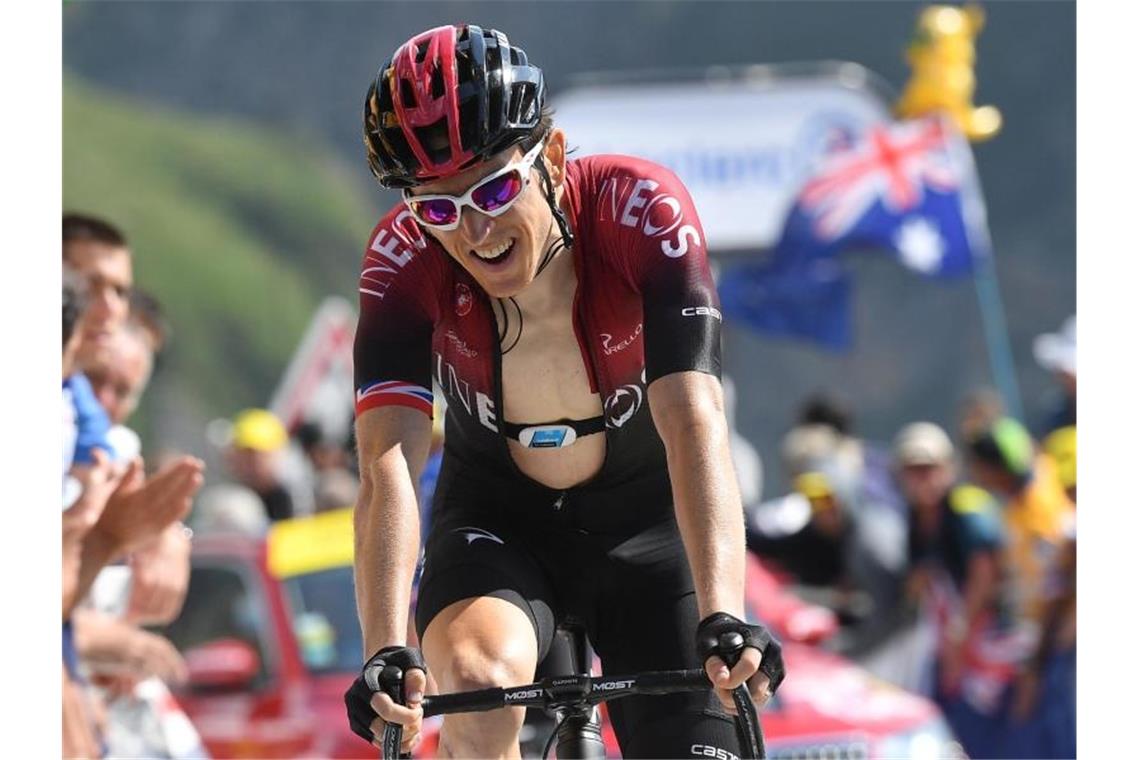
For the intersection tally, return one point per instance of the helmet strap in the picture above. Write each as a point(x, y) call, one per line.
point(559, 216)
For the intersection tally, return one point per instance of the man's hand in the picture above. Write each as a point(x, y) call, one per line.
point(160, 575)
point(98, 481)
point(138, 511)
point(116, 648)
point(370, 708)
point(760, 663)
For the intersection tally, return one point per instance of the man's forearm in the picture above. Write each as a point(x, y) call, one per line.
point(387, 544)
point(709, 513)
point(97, 553)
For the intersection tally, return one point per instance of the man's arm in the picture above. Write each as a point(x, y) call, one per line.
point(393, 443)
point(688, 410)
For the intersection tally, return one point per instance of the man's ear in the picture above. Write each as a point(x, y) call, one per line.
point(555, 154)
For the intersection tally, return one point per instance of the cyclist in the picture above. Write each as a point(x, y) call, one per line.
point(567, 312)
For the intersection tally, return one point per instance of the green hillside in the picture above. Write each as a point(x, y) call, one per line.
point(238, 230)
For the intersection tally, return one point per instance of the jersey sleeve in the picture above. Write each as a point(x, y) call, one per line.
point(398, 311)
point(979, 517)
point(664, 257)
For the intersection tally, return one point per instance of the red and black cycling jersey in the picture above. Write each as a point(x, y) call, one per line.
point(645, 307)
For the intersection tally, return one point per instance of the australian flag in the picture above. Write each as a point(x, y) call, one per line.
point(909, 188)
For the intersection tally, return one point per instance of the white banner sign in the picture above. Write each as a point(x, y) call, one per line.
point(743, 147)
point(317, 385)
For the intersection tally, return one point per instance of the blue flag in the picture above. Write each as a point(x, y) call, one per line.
point(909, 188)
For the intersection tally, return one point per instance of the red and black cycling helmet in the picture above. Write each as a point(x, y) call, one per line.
point(447, 99)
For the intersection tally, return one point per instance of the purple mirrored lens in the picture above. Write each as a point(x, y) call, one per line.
point(435, 211)
point(498, 192)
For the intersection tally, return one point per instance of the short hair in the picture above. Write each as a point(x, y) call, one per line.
point(82, 227)
point(822, 408)
point(146, 313)
point(74, 302)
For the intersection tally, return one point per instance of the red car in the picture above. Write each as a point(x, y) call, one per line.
point(270, 635)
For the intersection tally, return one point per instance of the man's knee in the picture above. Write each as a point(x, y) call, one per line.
point(480, 644)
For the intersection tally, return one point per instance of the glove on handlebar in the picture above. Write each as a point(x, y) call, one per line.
point(726, 636)
point(383, 672)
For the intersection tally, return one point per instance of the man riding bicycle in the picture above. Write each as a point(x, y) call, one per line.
point(567, 312)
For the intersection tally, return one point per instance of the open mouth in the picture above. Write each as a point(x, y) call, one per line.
point(495, 256)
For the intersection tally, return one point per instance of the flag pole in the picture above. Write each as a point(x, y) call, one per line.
point(996, 332)
point(997, 335)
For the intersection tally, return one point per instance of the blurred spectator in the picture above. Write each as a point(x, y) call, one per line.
point(98, 251)
point(119, 371)
point(842, 552)
point(230, 508)
point(955, 540)
point(254, 457)
point(1040, 526)
point(139, 513)
point(827, 421)
point(1057, 353)
point(334, 484)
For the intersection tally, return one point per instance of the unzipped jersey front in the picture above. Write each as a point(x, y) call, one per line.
point(645, 307)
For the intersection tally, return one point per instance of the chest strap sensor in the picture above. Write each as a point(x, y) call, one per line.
point(554, 435)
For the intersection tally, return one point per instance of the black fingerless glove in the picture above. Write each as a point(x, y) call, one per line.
point(725, 636)
point(384, 672)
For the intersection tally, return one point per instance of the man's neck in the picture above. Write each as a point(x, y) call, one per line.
point(552, 289)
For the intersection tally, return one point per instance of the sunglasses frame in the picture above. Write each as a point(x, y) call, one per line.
point(523, 166)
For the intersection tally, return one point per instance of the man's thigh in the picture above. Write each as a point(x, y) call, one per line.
point(480, 579)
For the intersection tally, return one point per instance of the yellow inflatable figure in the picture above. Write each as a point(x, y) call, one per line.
point(941, 57)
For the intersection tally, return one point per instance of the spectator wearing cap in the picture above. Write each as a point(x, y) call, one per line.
point(1057, 353)
point(955, 539)
point(840, 551)
point(1040, 529)
point(255, 456)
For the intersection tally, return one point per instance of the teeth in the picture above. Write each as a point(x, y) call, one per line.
point(490, 253)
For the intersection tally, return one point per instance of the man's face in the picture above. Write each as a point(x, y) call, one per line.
point(527, 226)
point(107, 270)
point(924, 485)
point(253, 467)
point(118, 373)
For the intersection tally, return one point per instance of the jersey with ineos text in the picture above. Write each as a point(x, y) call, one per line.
point(645, 307)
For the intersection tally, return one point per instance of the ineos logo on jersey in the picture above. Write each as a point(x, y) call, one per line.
point(634, 203)
point(702, 311)
point(394, 250)
point(458, 391)
point(606, 338)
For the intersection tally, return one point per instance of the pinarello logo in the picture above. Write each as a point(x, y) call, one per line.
point(463, 299)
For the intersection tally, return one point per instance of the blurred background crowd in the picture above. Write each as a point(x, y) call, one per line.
point(924, 518)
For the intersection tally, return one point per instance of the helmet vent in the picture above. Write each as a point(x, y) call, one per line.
point(407, 94)
point(437, 83)
point(421, 51)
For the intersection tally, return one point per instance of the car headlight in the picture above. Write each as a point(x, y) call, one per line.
point(930, 741)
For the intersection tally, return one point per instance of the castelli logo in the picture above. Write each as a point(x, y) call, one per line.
point(463, 299)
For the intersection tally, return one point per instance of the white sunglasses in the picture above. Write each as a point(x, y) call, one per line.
point(492, 195)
